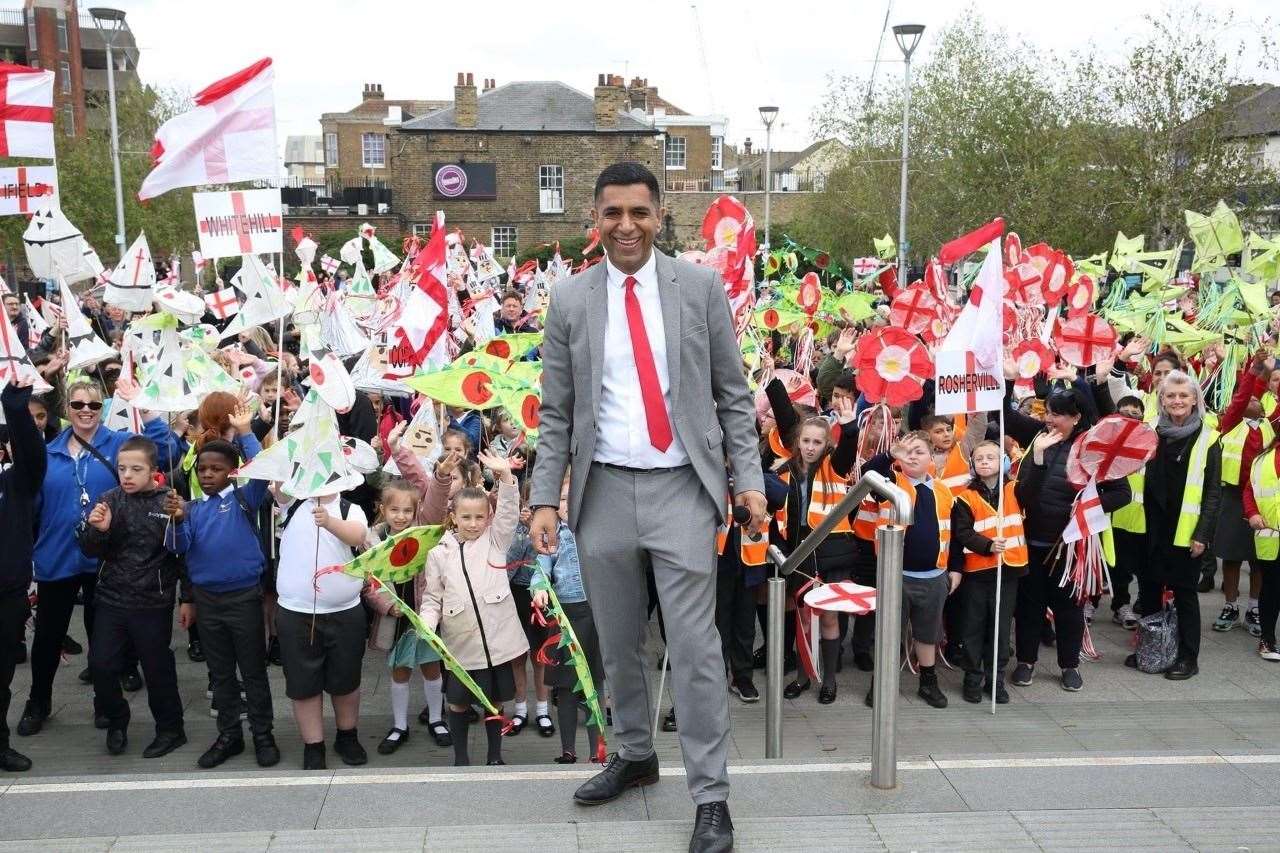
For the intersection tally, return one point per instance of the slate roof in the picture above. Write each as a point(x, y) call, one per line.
point(530, 107)
point(1256, 114)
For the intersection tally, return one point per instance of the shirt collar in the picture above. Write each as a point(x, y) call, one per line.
point(231, 487)
point(926, 480)
point(646, 274)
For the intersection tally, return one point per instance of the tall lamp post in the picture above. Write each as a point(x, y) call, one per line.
point(767, 115)
point(109, 22)
point(908, 38)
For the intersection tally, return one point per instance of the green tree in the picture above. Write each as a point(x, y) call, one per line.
point(87, 188)
point(1068, 150)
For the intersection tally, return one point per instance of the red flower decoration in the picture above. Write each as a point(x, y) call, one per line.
point(822, 260)
point(1056, 270)
point(1080, 295)
point(1012, 250)
point(1031, 358)
point(892, 366)
point(728, 223)
point(809, 297)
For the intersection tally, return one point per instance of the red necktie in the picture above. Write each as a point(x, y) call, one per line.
point(655, 407)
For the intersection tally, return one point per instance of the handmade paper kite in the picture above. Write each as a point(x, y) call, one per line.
point(122, 415)
point(85, 347)
point(552, 617)
point(892, 365)
point(187, 307)
point(1262, 258)
point(264, 302)
point(359, 295)
point(377, 371)
point(525, 405)
point(422, 437)
point(1032, 358)
point(330, 379)
point(398, 558)
point(14, 360)
point(468, 388)
point(487, 269)
point(131, 284)
point(886, 249)
point(1055, 269)
point(165, 383)
point(56, 248)
point(809, 296)
point(1124, 249)
point(339, 331)
point(513, 346)
point(383, 258)
point(772, 318)
point(1081, 295)
point(1216, 236)
point(203, 336)
point(1094, 265)
point(36, 325)
point(842, 597)
point(1086, 340)
point(855, 306)
point(1114, 447)
point(914, 309)
point(360, 454)
point(205, 375)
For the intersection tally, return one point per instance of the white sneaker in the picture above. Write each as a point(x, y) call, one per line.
point(1125, 617)
point(1267, 651)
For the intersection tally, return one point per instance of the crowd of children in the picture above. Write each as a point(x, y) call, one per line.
point(138, 525)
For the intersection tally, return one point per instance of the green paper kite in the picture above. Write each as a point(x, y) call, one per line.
point(397, 558)
point(512, 347)
point(1124, 248)
point(568, 640)
point(886, 249)
point(1216, 236)
point(1262, 258)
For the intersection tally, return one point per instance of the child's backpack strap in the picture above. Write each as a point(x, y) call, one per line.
point(344, 509)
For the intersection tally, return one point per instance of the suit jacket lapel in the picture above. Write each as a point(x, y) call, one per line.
point(669, 294)
point(597, 316)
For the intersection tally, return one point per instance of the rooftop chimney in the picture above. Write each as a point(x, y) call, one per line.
point(638, 94)
point(746, 145)
point(372, 92)
point(490, 84)
point(464, 101)
point(610, 99)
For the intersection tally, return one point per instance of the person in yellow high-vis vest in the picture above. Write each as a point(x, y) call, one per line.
point(1262, 503)
point(1181, 497)
point(1245, 433)
point(984, 533)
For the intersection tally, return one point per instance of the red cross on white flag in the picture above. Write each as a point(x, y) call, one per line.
point(329, 264)
point(230, 136)
point(26, 112)
point(1087, 518)
point(222, 303)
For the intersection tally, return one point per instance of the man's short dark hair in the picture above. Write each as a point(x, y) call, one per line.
point(513, 294)
point(140, 444)
point(626, 174)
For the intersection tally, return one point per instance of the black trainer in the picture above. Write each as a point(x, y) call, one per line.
point(745, 689)
point(929, 690)
point(313, 756)
point(616, 777)
point(33, 717)
point(265, 750)
point(347, 745)
point(131, 681)
point(13, 761)
point(165, 743)
point(971, 689)
point(195, 651)
point(117, 741)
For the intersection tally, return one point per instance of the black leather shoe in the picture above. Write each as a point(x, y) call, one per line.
point(391, 744)
point(712, 829)
point(165, 743)
point(265, 750)
point(131, 681)
point(349, 749)
point(313, 756)
point(1182, 669)
point(101, 722)
point(827, 694)
point(33, 717)
point(70, 646)
point(223, 748)
point(195, 652)
point(795, 688)
point(13, 761)
point(616, 777)
point(971, 689)
point(117, 741)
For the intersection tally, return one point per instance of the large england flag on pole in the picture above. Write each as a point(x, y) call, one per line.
point(26, 112)
point(230, 136)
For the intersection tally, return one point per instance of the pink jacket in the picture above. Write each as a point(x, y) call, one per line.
point(434, 505)
point(463, 578)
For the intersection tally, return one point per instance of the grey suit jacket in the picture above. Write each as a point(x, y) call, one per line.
point(712, 408)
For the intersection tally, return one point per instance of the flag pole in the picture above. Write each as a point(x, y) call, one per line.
point(995, 641)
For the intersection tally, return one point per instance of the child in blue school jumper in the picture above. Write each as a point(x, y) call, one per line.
point(224, 557)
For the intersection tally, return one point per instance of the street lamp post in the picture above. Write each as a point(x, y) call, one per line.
point(767, 115)
point(908, 38)
point(109, 22)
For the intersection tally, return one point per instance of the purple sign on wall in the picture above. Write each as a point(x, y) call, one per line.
point(465, 180)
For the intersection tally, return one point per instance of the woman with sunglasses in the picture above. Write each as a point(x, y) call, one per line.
point(1045, 495)
point(81, 466)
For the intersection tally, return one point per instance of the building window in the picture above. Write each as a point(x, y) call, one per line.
point(69, 119)
point(62, 33)
point(504, 241)
point(717, 152)
point(551, 189)
point(373, 150)
point(675, 152)
point(422, 229)
point(331, 149)
point(64, 68)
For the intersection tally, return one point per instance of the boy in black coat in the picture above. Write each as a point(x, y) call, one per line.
point(134, 599)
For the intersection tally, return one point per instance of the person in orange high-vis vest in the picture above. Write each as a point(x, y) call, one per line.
point(741, 568)
point(984, 534)
point(926, 551)
point(952, 443)
point(816, 474)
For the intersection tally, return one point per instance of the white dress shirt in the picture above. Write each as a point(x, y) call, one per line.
point(622, 433)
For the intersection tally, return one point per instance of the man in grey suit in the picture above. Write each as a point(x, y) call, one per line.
point(643, 401)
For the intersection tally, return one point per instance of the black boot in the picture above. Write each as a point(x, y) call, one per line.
point(971, 690)
point(830, 652)
point(1002, 695)
point(313, 756)
point(929, 690)
point(458, 725)
point(347, 745)
point(265, 750)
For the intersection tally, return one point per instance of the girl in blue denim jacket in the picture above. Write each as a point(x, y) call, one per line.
point(565, 576)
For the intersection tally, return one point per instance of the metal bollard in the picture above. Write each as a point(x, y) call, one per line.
point(777, 590)
point(884, 711)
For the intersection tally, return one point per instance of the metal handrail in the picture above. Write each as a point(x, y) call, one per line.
point(888, 622)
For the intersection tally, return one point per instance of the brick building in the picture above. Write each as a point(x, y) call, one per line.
point(55, 35)
point(515, 165)
point(355, 141)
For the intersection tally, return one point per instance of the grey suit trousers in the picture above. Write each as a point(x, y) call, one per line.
point(664, 519)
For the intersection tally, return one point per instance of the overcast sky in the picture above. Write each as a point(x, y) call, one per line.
point(714, 56)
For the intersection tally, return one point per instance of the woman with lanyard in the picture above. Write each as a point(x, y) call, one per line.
point(81, 466)
point(1181, 497)
point(1045, 494)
